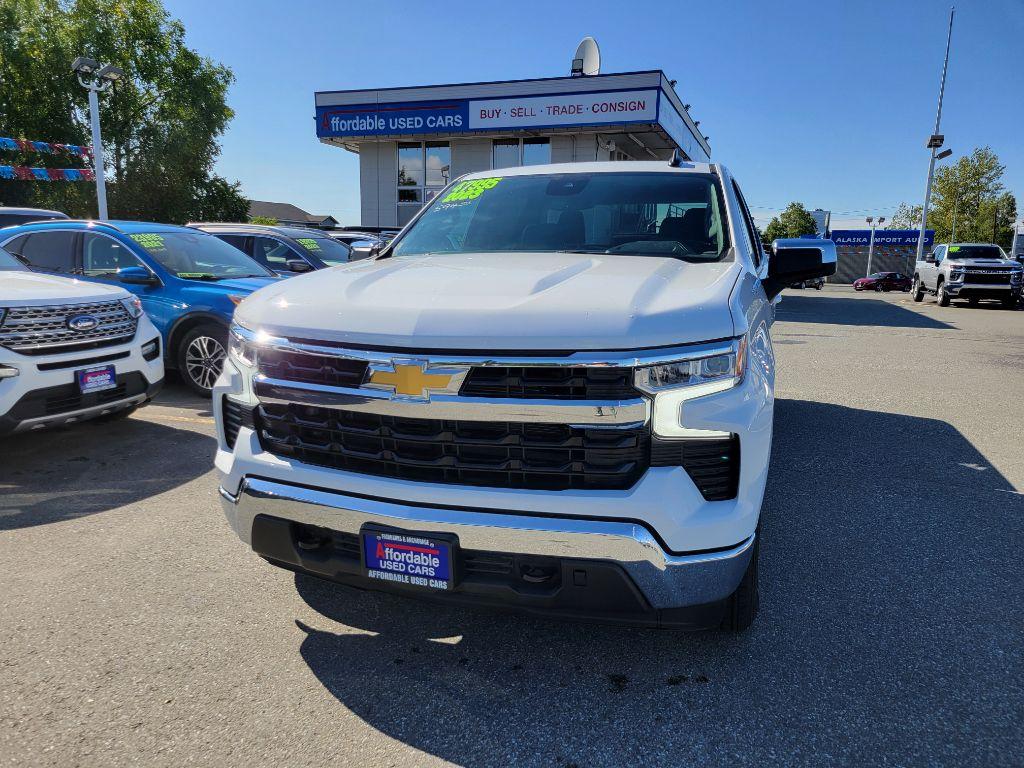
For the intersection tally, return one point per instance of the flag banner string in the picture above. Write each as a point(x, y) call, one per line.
point(24, 173)
point(24, 145)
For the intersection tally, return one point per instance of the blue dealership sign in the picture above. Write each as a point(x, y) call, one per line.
point(852, 238)
point(388, 119)
point(510, 112)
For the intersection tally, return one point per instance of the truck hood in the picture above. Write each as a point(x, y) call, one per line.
point(21, 289)
point(520, 301)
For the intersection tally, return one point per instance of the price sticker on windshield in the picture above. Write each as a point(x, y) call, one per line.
point(150, 242)
point(471, 189)
point(308, 243)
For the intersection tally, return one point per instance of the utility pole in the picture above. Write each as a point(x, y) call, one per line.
point(935, 140)
point(952, 236)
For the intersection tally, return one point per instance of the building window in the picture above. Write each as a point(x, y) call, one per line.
point(424, 169)
point(508, 153)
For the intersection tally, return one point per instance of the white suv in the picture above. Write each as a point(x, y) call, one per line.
point(71, 350)
point(552, 392)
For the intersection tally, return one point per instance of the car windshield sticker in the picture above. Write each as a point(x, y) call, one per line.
point(308, 243)
point(471, 190)
point(150, 242)
point(954, 248)
point(195, 275)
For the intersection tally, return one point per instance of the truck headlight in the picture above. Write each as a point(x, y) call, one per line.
point(673, 383)
point(955, 275)
point(240, 349)
point(132, 306)
point(1015, 277)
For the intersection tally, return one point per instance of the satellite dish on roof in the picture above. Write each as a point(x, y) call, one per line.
point(587, 60)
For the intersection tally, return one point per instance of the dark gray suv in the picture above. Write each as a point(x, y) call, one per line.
point(285, 250)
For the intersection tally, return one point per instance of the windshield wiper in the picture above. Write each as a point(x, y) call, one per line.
point(583, 250)
point(199, 276)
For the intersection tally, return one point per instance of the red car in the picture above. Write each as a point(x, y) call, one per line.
point(883, 281)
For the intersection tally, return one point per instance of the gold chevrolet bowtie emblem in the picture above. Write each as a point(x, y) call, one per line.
point(409, 380)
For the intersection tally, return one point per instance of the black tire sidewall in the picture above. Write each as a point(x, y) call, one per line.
point(214, 331)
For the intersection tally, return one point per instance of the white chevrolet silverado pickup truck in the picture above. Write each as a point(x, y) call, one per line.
point(71, 350)
point(552, 392)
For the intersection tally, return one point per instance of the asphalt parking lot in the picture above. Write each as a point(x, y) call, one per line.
point(135, 628)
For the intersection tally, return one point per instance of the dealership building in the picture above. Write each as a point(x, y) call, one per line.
point(412, 141)
point(895, 251)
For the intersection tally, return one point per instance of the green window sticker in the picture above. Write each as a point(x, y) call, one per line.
point(150, 242)
point(954, 248)
point(309, 243)
point(471, 189)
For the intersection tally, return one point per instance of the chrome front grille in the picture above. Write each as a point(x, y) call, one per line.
point(571, 421)
point(44, 329)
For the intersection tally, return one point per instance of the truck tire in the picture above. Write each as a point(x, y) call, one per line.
point(917, 289)
point(741, 606)
point(941, 297)
point(201, 356)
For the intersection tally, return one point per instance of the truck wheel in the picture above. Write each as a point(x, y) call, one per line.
point(941, 297)
point(741, 606)
point(917, 290)
point(201, 356)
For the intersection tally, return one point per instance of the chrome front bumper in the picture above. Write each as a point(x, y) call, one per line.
point(666, 580)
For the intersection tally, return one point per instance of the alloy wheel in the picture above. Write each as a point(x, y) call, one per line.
point(204, 360)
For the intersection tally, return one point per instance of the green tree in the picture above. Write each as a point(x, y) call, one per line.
point(906, 217)
point(969, 197)
point(268, 221)
point(795, 221)
point(161, 122)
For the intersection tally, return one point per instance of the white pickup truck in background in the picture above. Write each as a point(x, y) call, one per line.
point(552, 392)
point(71, 350)
point(971, 271)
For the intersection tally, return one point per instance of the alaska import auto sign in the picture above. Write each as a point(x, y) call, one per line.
point(852, 238)
point(465, 115)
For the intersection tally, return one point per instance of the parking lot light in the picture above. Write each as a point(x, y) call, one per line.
point(97, 78)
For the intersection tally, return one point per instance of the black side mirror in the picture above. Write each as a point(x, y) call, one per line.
point(797, 259)
point(298, 265)
point(136, 276)
point(930, 258)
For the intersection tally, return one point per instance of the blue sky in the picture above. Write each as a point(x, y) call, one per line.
point(825, 102)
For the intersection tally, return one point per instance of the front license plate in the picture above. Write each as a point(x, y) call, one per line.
point(413, 559)
point(96, 379)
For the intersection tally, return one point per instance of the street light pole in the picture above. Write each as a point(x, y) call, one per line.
point(97, 149)
point(871, 242)
point(935, 141)
point(96, 79)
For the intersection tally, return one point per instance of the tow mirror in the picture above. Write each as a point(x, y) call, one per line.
point(930, 258)
point(136, 276)
point(794, 260)
point(298, 265)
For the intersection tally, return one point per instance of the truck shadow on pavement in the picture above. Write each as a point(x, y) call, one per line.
point(889, 631)
point(830, 310)
point(55, 475)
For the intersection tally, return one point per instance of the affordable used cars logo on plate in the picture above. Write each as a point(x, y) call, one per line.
point(407, 559)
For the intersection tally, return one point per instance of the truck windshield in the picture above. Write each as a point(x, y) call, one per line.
point(975, 252)
point(675, 215)
point(10, 264)
point(198, 256)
